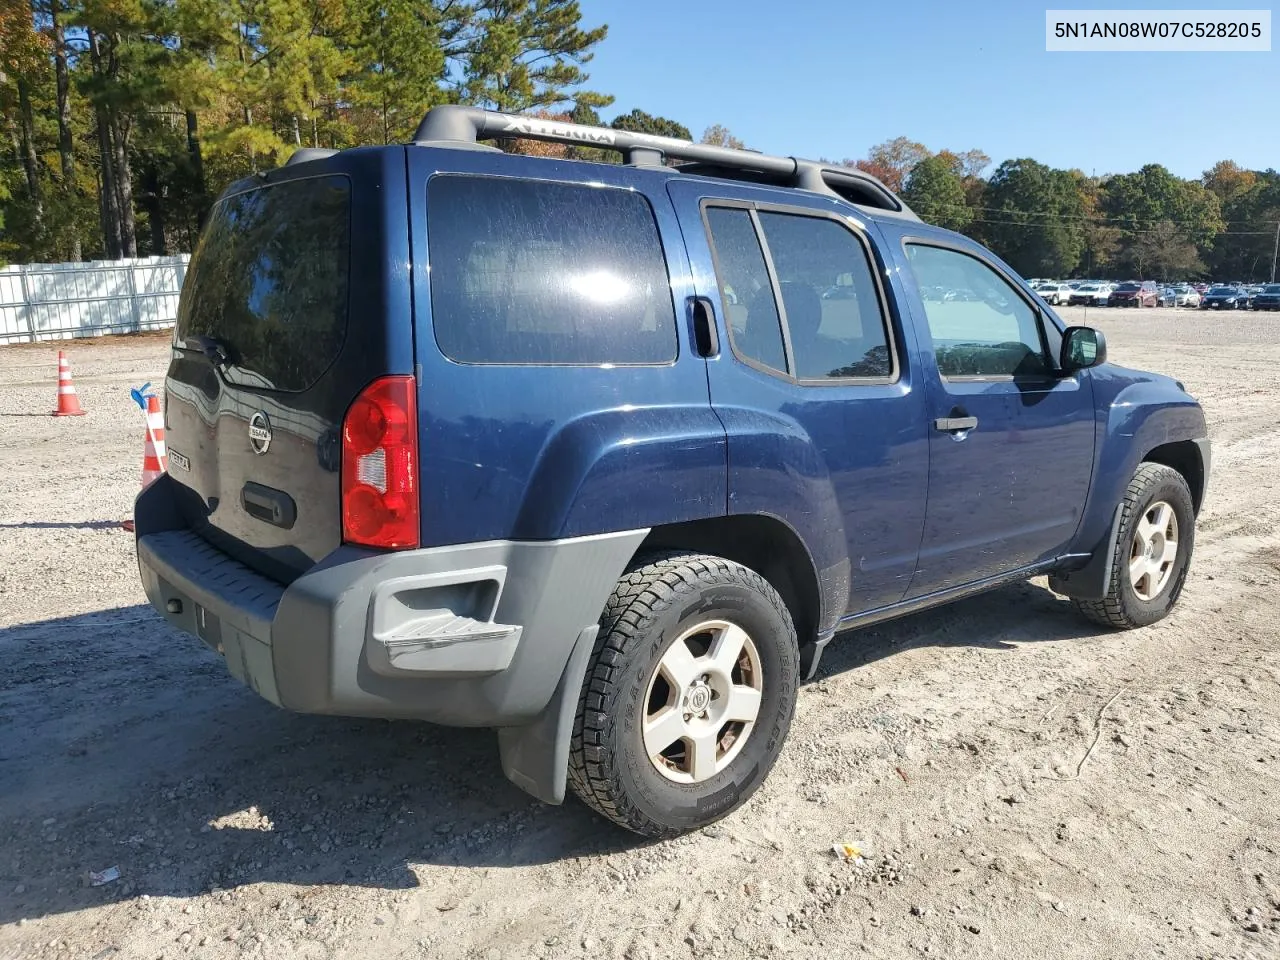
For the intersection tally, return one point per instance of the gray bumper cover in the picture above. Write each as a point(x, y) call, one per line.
point(488, 634)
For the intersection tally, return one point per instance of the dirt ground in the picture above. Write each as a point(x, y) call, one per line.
point(1026, 784)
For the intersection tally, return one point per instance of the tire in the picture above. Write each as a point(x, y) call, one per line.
point(659, 601)
point(1124, 606)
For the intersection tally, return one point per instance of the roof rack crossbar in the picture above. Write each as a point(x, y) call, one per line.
point(459, 124)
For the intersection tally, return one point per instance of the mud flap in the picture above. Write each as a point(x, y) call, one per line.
point(1090, 581)
point(535, 757)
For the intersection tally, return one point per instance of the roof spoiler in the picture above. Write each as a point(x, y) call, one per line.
point(458, 125)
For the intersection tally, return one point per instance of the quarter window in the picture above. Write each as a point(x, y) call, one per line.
point(532, 272)
point(979, 325)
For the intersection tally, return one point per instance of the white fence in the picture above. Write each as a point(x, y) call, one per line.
point(53, 301)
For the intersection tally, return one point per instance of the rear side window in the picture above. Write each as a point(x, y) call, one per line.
point(833, 311)
point(830, 303)
point(532, 272)
point(268, 282)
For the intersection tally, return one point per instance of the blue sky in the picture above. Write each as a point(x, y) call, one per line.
point(832, 77)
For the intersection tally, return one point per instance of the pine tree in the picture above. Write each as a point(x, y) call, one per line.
point(399, 67)
point(518, 55)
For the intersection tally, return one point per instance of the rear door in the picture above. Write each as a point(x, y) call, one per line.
point(813, 381)
point(296, 297)
point(1011, 442)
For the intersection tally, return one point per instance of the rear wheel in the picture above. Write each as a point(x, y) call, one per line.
point(689, 695)
point(1152, 551)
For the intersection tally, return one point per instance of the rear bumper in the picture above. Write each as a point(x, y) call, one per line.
point(468, 635)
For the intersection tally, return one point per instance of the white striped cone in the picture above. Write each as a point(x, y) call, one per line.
point(154, 455)
point(68, 402)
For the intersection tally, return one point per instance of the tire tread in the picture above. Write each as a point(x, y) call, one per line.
point(647, 587)
point(1108, 611)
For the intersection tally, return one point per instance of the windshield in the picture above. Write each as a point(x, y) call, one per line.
point(1221, 290)
point(1128, 287)
point(1271, 288)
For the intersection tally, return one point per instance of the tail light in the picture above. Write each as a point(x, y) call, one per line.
point(380, 466)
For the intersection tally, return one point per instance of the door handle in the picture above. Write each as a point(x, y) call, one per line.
point(955, 424)
point(704, 327)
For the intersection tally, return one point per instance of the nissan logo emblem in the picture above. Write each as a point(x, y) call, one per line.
point(259, 432)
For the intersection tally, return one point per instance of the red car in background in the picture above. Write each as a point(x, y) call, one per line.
point(1134, 294)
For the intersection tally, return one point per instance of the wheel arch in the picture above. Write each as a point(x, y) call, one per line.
point(771, 548)
point(1186, 457)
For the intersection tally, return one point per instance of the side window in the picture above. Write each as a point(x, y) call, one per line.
point(750, 309)
point(979, 325)
point(829, 296)
point(532, 272)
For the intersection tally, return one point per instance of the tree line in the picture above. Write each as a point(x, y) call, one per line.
point(123, 119)
point(1049, 222)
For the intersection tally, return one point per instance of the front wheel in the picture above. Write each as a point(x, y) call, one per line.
point(689, 695)
point(1151, 553)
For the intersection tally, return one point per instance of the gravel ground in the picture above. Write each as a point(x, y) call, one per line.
point(1025, 784)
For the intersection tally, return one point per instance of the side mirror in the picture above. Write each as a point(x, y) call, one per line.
point(1082, 347)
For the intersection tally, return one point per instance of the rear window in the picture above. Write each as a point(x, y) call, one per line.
point(532, 272)
point(268, 282)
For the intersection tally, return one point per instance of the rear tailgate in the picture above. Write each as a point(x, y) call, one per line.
point(296, 297)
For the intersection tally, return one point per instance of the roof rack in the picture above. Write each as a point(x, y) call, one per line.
point(458, 125)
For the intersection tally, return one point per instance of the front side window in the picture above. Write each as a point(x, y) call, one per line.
point(980, 326)
point(535, 272)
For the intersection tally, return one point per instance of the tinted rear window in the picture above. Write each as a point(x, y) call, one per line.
point(269, 281)
point(534, 272)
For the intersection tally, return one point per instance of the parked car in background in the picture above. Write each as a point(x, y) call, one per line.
point(1179, 295)
point(1268, 297)
point(1225, 297)
point(1054, 293)
point(1252, 291)
point(1200, 288)
point(1090, 295)
point(1134, 294)
point(1186, 296)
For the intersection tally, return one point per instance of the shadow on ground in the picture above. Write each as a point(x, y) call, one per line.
point(1021, 612)
point(124, 743)
point(63, 525)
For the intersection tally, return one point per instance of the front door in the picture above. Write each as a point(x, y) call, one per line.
point(820, 400)
point(1011, 441)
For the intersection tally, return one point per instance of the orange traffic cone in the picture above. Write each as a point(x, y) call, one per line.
point(68, 402)
point(154, 457)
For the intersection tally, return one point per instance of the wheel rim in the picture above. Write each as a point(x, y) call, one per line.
point(702, 701)
point(1154, 550)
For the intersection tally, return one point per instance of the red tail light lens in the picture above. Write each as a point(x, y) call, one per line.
point(380, 466)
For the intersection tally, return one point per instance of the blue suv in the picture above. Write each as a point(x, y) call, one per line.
point(602, 455)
